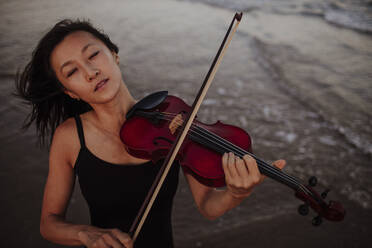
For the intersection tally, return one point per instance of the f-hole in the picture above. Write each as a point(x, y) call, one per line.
point(158, 140)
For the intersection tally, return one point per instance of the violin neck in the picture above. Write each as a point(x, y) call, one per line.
point(277, 174)
point(220, 145)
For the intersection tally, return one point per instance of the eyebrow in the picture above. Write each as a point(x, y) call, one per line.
point(82, 51)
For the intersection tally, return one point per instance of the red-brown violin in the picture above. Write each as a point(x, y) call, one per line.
point(201, 151)
point(161, 126)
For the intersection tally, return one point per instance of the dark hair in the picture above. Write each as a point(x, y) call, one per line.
point(38, 85)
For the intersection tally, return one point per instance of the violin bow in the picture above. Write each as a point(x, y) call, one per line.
point(168, 161)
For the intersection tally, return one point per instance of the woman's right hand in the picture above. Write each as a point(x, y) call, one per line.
point(105, 238)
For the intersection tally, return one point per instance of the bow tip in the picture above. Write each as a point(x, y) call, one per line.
point(238, 16)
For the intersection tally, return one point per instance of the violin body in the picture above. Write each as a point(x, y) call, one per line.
point(150, 138)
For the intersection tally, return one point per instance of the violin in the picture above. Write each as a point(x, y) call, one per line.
point(201, 152)
point(161, 126)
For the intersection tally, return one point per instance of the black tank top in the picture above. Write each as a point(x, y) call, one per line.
point(115, 193)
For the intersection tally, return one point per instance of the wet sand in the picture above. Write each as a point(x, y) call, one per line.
point(298, 84)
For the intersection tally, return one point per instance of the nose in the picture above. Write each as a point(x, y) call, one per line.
point(92, 73)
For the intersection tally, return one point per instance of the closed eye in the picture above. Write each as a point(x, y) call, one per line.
point(93, 55)
point(71, 72)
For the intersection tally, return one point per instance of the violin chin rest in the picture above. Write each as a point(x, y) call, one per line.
point(148, 102)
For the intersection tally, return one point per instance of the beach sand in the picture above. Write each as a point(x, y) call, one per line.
point(299, 85)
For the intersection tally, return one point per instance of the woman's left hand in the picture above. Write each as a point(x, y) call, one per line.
point(242, 175)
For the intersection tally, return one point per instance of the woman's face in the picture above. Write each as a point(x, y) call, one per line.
point(87, 68)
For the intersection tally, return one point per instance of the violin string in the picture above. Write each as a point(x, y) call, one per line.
point(273, 170)
point(270, 169)
point(237, 149)
point(241, 152)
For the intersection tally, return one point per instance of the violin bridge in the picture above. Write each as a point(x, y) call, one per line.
point(175, 123)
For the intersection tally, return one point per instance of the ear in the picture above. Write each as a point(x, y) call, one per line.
point(71, 94)
point(116, 57)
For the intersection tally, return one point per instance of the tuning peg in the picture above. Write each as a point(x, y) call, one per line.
point(313, 181)
point(317, 221)
point(325, 193)
point(303, 209)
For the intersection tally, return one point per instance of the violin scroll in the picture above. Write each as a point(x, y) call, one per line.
point(333, 211)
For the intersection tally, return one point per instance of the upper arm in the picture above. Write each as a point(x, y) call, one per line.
point(61, 176)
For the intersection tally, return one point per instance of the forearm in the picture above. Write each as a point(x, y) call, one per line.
point(57, 230)
point(218, 202)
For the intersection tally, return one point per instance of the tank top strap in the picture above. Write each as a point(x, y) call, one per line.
point(80, 131)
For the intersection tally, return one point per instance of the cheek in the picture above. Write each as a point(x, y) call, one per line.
point(112, 67)
point(75, 84)
point(108, 59)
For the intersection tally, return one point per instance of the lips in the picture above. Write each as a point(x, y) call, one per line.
point(101, 84)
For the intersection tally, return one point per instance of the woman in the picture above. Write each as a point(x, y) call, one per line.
point(77, 93)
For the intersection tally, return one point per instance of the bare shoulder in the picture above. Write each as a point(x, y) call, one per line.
point(65, 143)
point(65, 131)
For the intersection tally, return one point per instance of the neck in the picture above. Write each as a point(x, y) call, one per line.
point(111, 115)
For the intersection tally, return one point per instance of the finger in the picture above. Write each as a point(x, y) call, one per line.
point(242, 169)
point(124, 238)
point(279, 163)
point(253, 171)
point(231, 165)
point(84, 237)
point(225, 166)
point(112, 241)
point(101, 244)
